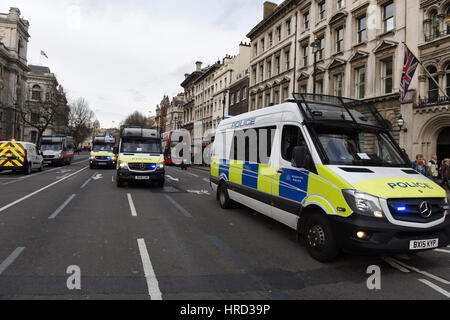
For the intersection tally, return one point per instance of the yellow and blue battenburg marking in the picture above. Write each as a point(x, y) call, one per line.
point(300, 186)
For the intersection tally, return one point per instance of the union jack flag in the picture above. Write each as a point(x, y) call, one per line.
point(409, 68)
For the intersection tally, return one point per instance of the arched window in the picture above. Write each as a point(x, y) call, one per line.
point(434, 25)
point(433, 90)
point(447, 78)
point(36, 93)
point(447, 21)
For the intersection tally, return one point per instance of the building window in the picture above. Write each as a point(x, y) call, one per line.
point(254, 75)
point(232, 99)
point(285, 93)
point(340, 4)
point(319, 86)
point(261, 72)
point(267, 99)
point(278, 64)
point(321, 47)
point(306, 20)
point(338, 85)
point(322, 10)
point(276, 97)
point(304, 88)
point(279, 33)
point(244, 94)
point(262, 45)
point(362, 29)
point(388, 16)
point(435, 25)
point(288, 27)
point(287, 57)
point(270, 39)
point(339, 39)
point(447, 71)
point(433, 89)
point(360, 83)
point(36, 93)
point(386, 78)
point(255, 49)
point(269, 69)
point(238, 96)
point(305, 55)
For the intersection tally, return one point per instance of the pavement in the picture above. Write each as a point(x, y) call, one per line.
point(70, 233)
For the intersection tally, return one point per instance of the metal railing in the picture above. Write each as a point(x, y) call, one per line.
point(437, 35)
point(434, 100)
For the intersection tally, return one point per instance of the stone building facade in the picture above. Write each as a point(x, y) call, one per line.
point(42, 87)
point(13, 69)
point(175, 113)
point(239, 95)
point(429, 132)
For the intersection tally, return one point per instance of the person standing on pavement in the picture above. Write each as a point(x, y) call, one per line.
point(445, 173)
point(419, 165)
point(433, 168)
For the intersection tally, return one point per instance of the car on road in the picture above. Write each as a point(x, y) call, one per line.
point(329, 168)
point(102, 155)
point(57, 150)
point(20, 156)
point(140, 156)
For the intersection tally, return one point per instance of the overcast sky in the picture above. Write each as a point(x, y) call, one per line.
point(125, 55)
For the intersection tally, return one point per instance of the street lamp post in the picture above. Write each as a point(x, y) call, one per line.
point(315, 45)
point(224, 103)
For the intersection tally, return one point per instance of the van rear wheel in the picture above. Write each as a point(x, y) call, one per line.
point(319, 238)
point(27, 170)
point(224, 199)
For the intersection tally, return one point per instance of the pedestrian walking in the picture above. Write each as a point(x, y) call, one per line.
point(420, 166)
point(445, 173)
point(433, 169)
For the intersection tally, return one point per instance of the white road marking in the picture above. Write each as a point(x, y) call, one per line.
point(394, 264)
point(13, 256)
point(441, 250)
point(61, 208)
point(429, 275)
point(435, 287)
point(172, 178)
point(97, 176)
point(152, 282)
point(130, 202)
point(199, 192)
point(38, 191)
point(86, 183)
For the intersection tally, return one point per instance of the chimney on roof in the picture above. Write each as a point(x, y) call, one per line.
point(199, 65)
point(186, 75)
point(269, 8)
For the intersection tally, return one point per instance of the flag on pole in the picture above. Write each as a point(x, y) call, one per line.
point(44, 54)
point(409, 69)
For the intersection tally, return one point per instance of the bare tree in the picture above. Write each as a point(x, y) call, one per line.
point(41, 114)
point(81, 120)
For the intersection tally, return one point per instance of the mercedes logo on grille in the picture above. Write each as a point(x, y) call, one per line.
point(425, 209)
point(142, 166)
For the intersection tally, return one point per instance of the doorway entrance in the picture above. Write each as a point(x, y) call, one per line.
point(443, 144)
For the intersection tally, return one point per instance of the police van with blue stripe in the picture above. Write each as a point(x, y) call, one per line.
point(329, 168)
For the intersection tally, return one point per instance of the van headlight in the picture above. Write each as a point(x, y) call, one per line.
point(160, 165)
point(123, 165)
point(363, 203)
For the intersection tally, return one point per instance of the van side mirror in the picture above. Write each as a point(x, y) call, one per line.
point(116, 150)
point(301, 158)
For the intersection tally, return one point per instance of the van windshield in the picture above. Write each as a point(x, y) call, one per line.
point(141, 146)
point(356, 147)
point(103, 147)
point(51, 147)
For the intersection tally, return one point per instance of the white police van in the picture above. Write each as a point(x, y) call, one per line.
point(329, 168)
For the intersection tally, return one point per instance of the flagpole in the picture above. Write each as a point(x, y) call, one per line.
point(427, 72)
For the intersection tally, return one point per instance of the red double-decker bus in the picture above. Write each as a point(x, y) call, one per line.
point(170, 140)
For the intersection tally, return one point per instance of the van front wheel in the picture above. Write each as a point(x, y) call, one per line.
point(319, 238)
point(224, 199)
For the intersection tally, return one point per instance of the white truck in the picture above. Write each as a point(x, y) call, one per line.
point(140, 156)
point(57, 150)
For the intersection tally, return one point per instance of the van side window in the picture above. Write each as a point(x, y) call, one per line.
point(292, 137)
point(256, 144)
